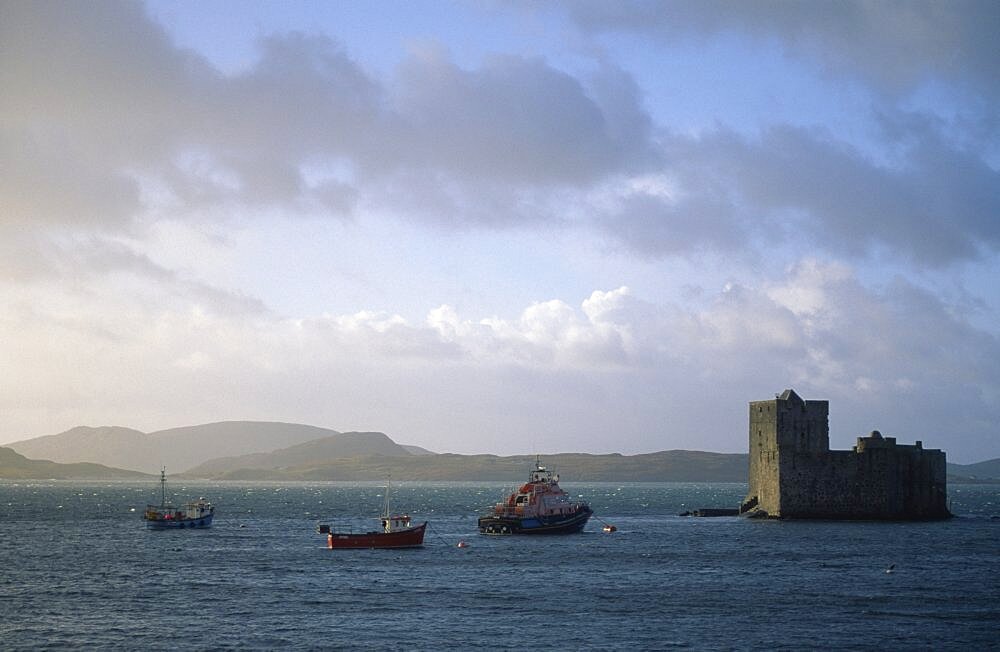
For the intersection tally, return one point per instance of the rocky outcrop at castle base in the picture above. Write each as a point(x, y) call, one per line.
point(794, 474)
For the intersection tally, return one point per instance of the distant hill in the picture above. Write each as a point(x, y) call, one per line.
point(114, 446)
point(177, 448)
point(417, 450)
point(14, 466)
point(258, 450)
point(665, 466)
point(192, 445)
point(980, 471)
point(341, 445)
point(319, 464)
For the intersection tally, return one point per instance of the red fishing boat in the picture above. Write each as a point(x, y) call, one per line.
point(397, 532)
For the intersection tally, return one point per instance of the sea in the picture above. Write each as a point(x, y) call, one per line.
point(79, 570)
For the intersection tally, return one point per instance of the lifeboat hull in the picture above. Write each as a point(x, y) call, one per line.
point(409, 538)
point(535, 525)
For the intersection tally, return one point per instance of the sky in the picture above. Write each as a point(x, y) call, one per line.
point(502, 227)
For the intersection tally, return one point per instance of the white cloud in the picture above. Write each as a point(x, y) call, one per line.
point(665, 376)
point(806, 294)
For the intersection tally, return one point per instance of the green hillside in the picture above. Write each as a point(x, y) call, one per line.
point(177, 448)
point(14, 466)
point(337, 446)
point(988, 471)
point(666, 466)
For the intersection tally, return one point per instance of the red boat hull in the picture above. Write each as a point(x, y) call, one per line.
point(409, 538)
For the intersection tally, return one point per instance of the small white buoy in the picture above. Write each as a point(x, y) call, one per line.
point(891, 568)
point(462, 544)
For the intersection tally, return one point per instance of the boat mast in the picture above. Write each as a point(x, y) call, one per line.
point(163, 485)
point(385, 511)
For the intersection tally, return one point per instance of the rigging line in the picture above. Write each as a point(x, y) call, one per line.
point(443, 539)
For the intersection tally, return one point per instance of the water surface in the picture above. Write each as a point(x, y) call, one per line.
point(81, 570)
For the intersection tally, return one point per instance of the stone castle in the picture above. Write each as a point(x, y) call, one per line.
point(794, 474)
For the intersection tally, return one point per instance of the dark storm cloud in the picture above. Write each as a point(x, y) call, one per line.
point(518, 121)
point(933, 205)
point(99, 105)
point(73, 107)
point(97, 101)
point(506, 142)
point(923, 189)
point(894, 44)
point(102, 116)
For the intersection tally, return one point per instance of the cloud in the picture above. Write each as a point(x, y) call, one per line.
point(547, 334)
point(99, 107)
point(894, 46)
point(504, 143)
point(657, 376)
point(120, 149)
point(920, 186)
point(519, 121)
point(105, 119)
point(933, 205)
point(91, 94)
point(108, 126)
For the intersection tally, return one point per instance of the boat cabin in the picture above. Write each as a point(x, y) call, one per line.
point(396, 522)
point(540, 474)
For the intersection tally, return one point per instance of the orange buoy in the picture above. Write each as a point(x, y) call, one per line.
point(610, 528)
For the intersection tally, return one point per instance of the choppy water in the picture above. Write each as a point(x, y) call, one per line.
point(78, 569)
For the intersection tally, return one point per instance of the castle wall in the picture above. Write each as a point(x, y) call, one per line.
point(881, 483)
point(793, 474)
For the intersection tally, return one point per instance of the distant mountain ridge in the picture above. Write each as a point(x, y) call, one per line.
point(979, 472)
point(262, 450)
point(14, 466)
point(316, 461)
point(664, 466)
point(178, 449)
point(341, 445)
point(112, 446)
point(191, 445)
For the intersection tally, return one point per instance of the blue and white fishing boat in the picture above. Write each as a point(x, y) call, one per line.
point(197, 513)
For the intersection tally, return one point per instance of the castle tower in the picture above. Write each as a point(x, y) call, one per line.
point(782, 430)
